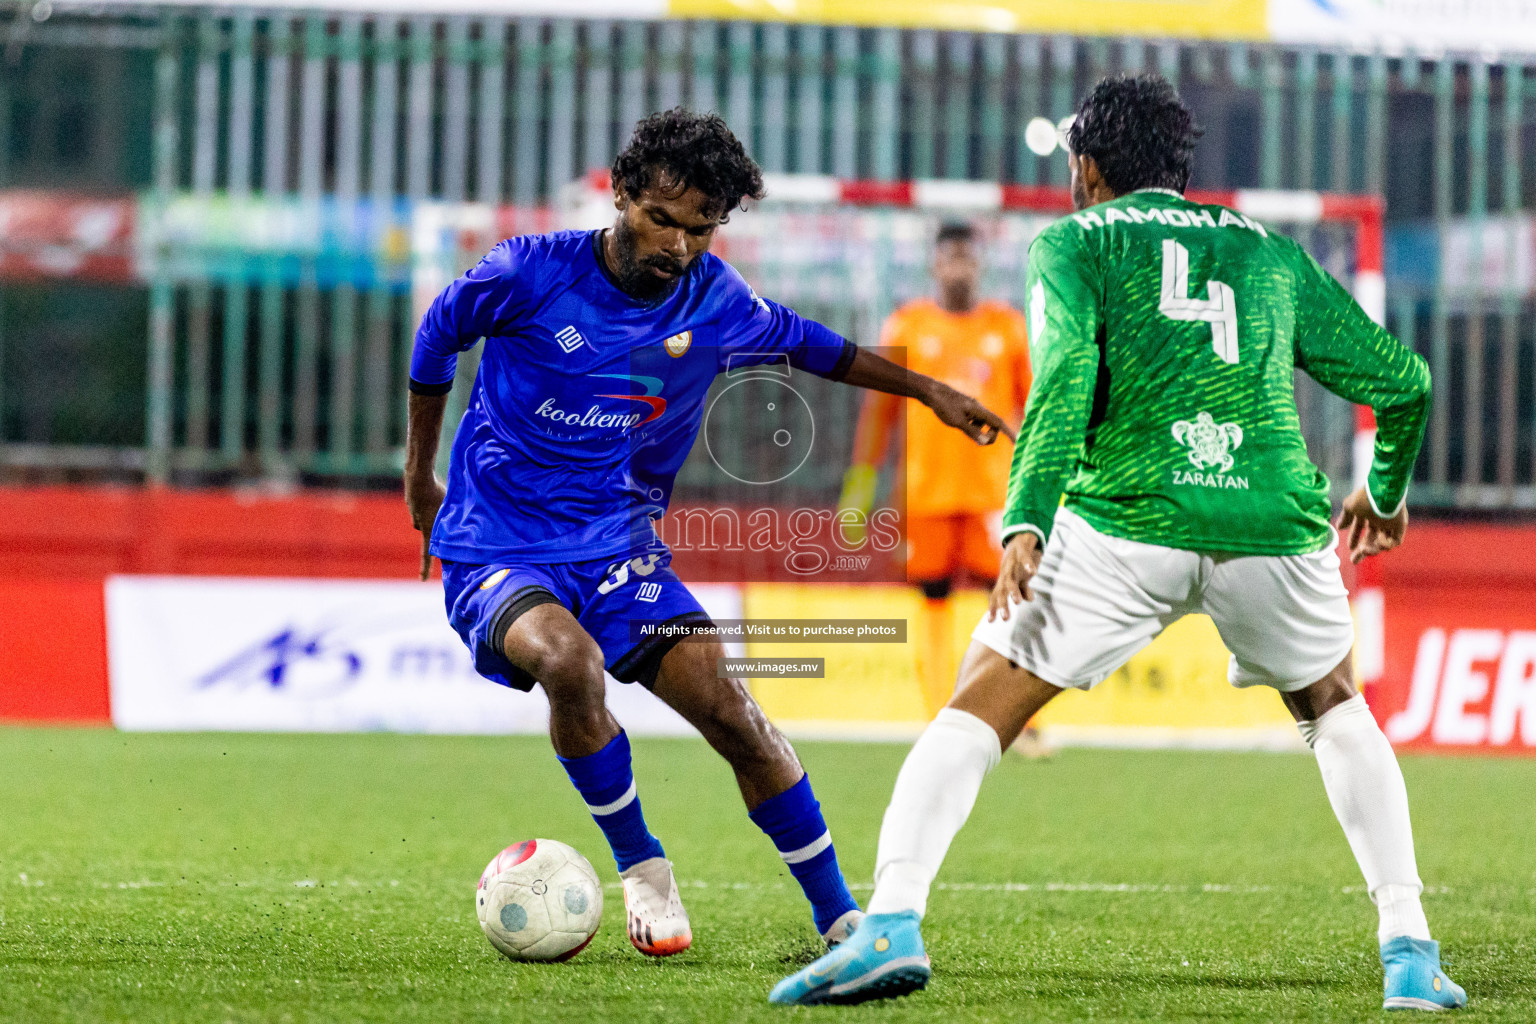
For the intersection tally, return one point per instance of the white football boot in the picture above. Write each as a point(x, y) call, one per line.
point(842, 928)
point(658, 924)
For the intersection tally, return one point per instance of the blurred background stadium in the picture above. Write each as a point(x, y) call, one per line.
point(219, 225)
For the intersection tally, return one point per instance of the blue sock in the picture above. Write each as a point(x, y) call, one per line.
point(793, 821)
point(607, 784)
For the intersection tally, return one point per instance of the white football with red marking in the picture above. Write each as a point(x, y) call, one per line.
point(539, 900)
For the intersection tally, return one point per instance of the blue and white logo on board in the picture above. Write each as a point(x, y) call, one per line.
point(290, 658)
point(300, 655)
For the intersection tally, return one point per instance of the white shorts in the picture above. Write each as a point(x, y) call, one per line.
point(1100, 599)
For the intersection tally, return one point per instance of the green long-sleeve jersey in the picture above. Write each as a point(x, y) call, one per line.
point(1164, 336)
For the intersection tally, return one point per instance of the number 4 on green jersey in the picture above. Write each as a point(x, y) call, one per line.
point(1219, 310)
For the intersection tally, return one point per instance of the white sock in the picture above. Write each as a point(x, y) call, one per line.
point(934, 795)
point(1366, 788)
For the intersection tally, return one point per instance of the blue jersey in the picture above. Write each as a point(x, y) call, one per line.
point(588, 400)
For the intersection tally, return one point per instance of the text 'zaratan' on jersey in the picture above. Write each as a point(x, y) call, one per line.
point(1196, 217)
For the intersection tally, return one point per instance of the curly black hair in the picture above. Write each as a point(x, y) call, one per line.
point(692, 149)
point(1138, 131)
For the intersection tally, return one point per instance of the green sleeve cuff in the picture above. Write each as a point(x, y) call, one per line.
point(1025, 525)
point(1013, 531)
point(1386, 509)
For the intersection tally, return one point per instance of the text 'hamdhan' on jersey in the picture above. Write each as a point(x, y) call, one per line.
point(1196, 217)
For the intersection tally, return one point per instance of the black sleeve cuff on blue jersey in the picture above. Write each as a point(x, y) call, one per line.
point(844, 361)
point(418, 388)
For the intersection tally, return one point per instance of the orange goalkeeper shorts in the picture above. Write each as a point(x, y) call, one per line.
point(942, 547)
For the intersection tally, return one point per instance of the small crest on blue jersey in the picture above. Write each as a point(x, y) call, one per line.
point(570, 339)
point(649, 591)
point(678, 343)
point(494, 578)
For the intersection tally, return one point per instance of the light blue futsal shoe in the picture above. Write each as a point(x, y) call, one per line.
point(1414, 980)
point(883, 959)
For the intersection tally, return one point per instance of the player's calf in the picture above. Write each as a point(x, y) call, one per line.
point(776, 789)
point(658, 925)
point(547, 642)
point(1365, 786)
point(736, 728)
point(792, 819)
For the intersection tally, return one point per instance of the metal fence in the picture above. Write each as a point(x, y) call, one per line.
point(259, 374)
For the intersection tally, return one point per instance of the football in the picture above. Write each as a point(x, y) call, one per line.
point(539, 900)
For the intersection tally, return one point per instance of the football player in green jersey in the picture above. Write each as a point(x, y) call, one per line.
point(1160, 471)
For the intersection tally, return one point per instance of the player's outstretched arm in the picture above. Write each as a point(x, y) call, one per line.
point(1349, 354)
point(760, 330)
point(952, 407)
point(423, 490)
point(1064, 321)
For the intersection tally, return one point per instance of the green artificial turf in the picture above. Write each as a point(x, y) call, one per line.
point(330, 878)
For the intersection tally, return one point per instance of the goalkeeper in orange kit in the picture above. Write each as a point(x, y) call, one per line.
point(954, 490)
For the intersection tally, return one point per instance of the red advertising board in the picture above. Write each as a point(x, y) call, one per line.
point(53, 652)
point(1461, 675)
point(58, 545)
point(58, 234)
point(1460, 624)
point(1458, 657)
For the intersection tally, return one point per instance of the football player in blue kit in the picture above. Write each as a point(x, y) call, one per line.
point(600, 348)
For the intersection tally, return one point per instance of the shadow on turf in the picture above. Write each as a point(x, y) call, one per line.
point(802, 955)
point(1088, 980)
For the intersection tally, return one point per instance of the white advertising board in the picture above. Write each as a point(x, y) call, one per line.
point(195, 653)
point(1487, 258)
point(1427, 26)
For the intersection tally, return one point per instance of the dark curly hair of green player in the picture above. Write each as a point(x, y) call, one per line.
point(696, 150)
point(1138, 131)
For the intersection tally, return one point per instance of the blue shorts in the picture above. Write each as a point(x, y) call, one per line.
point(607, 598)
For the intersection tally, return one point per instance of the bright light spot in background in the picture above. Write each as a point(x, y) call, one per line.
point(1040, 136)
point(1061, 130)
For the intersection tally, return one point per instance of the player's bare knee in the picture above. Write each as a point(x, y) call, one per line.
point(1312, 702)
point(725, 714)
point(999, 692)
point(570, 668)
